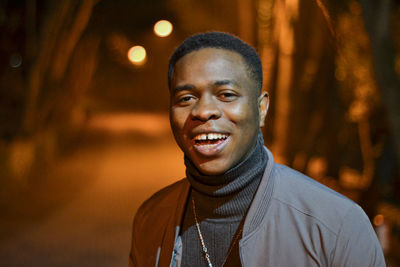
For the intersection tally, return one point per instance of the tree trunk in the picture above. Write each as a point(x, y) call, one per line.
point(61, 31)
point(376, 16)
point(286, 15)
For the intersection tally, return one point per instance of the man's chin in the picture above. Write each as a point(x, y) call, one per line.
point(212, 167)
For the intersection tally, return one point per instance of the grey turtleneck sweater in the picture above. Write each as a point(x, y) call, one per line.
point(221, 203)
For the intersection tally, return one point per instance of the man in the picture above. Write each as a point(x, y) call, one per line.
point(236, 207)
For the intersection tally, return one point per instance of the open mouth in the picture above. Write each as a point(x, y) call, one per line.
point(210, 144)
point(210, 139)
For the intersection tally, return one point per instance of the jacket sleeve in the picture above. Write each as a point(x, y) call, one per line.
point(154, 226)
point(133, 252)
point(144, 246)
point(357, 244)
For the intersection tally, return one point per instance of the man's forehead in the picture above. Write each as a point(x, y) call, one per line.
point(219, 65)
point(216, 63)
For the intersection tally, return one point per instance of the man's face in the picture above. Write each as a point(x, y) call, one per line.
point(215, 110)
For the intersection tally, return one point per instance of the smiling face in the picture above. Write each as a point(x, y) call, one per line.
point(215, 109)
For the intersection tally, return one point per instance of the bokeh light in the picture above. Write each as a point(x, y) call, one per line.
point(163, 28)
point(137, 55)
point(378, 219)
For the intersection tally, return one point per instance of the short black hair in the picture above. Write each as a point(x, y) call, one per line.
point(219, 40)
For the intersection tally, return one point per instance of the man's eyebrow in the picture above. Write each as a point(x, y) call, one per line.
point(184, 87)
point(225, 82)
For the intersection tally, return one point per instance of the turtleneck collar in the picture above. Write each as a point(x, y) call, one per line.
point(229, 194)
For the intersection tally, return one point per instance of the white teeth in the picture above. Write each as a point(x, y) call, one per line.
point(201, 137)
point(210, 136)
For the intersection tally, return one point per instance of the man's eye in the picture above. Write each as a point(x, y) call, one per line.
point(228, 96)
point(185, 99)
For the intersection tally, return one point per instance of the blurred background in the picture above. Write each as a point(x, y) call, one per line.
point(84, 131)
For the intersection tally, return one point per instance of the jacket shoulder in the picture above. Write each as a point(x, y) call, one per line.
point(305, 195)
point(163, 199)
point(152, 222)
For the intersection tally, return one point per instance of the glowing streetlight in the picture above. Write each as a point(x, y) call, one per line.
point(137, 55)
point(163, 28)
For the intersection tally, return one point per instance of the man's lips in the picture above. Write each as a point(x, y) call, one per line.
point(210, 144)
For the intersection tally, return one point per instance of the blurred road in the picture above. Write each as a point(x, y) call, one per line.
point(81, 214)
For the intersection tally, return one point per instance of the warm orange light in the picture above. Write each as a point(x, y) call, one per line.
point(163, 28)
point(137, 55)
point(379, 219)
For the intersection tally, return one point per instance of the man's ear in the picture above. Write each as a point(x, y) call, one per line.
point(263, 104)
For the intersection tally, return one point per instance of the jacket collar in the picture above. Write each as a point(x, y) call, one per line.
point(260, 204)
point(254, 217)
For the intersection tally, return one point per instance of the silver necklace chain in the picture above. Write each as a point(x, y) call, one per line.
point(203, 244)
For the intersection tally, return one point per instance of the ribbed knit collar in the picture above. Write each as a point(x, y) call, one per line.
point(228, 195)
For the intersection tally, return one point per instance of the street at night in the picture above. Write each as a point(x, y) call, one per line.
point(83, 214)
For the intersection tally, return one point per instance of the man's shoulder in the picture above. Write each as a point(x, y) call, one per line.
point(155, 220)
point(166, 196)
point(305, 195)
point(299, 183)
point(164, 199)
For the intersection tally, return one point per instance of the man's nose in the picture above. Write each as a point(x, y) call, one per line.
point(206, 108)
